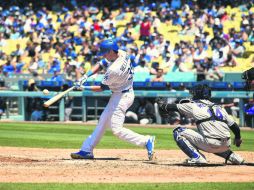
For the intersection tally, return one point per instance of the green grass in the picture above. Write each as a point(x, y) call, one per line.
point(72, 136)
point(160, 186)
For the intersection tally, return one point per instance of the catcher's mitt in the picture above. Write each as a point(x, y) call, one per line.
point(162, 103)
point(238, 142)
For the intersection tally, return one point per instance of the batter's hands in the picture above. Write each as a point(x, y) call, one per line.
point(237, 142)
point(81, 81)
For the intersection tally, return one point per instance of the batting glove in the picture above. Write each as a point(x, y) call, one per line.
point(82, 80)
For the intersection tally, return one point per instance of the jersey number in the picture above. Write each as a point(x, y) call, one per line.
point(218, 114)
point(131, 72)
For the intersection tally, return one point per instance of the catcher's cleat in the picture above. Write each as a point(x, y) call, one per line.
point(82, 155)
point(235, 159)
point(195, 161)
point(150, 147)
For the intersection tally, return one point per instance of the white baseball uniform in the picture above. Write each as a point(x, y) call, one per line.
point(119, 78)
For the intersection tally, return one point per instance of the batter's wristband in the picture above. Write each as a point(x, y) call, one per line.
point(89, 73)
point(87, 87)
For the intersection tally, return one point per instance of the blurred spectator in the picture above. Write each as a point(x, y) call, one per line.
point(18, 51)
point(144, 113)
point(152, 51)
point(33, 65)
point(232, 106)
point(251, 36)
point(55, 65)
point(183, 88)
point(142, 67)
point(178, 66)
point(176, 4)
point(200, 55)
point(30, 102)
point(37, 113)
point(68, 104)
point(57, 77)
point(2, 106)
point(159, 76)
point(145, 29)
point(167, 63)
point(214, 74)
point(239, 50)
point(249, 108)
point(121, 14)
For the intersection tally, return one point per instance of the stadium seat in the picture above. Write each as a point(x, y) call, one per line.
point(238, 85)
point(158, 85)
point(232, 77)
point(180, 77)
point(175, 85)
point(141, 76)
point(219, 85)
point(51, 83)
point(139, 85)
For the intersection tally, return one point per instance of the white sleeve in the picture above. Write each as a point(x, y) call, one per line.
point(109, 78)
point(186, 109)
point(229, 118)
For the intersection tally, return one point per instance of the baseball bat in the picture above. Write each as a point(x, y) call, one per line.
point(57, 97)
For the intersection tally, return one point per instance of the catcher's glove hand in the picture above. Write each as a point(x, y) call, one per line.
point(237, 142)
point(162, 102)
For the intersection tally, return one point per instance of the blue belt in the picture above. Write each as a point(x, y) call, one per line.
point(124, 91)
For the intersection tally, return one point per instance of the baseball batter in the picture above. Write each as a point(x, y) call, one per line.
point(213, 124)
point(119, 79)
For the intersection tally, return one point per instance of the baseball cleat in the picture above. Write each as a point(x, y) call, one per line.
point(196, 161)
point(236, 159)
point(150, 147)
point(82, 155)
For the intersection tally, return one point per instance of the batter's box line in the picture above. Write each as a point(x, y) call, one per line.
point(184, 165)
point(92, 159)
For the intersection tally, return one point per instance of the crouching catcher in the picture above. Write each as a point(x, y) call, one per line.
point(213, 124)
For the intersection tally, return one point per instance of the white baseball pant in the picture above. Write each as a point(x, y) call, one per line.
point(113, 116)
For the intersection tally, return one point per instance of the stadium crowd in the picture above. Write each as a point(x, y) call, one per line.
point(64, 37)
point(55, 37)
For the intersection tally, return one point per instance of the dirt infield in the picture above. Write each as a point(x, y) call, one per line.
point(55, 165)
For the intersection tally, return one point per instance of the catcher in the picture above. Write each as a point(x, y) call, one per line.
point(213, 124)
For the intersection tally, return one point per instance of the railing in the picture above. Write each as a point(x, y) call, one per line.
point(138, 93)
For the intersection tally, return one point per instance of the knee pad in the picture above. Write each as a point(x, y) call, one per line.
point(184, 144)
point(177, 132)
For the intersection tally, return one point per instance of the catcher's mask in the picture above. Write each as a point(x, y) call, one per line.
point(201, 91)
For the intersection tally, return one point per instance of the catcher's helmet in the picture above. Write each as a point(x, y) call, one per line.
point(201, 91)
point(106, 46)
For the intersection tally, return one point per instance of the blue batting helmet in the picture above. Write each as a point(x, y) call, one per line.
point(106, 46)
point(201, 91)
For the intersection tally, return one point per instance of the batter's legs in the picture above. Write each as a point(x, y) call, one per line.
point(95, 137)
